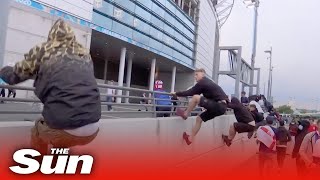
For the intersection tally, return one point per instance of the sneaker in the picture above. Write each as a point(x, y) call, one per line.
point(250, 134)
point(180, 113)
point(226, 140)
point(186, 138)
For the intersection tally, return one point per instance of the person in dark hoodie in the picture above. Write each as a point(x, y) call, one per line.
point(65, 84)
point(283, 136)
point(246, 122)
point(303, 127)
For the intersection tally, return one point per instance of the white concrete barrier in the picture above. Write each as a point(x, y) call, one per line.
point(139, 142)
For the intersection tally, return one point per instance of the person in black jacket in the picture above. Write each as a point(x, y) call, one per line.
point(283, 137)
point(65, 84)
point(302, 132)
point(244, 99)
point(245, 120)
point(214, 100)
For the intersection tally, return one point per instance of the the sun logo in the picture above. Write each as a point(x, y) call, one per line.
point(65, 164)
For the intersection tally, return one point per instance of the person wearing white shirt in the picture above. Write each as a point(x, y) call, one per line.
point(257, 106)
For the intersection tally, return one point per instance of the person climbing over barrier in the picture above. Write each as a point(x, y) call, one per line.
point(65, 84)
point(214, 100)
point(245, 120)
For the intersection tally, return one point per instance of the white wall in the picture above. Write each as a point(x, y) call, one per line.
point(80, 8)
point(152, 143)
point(28, 27)
point(206, 38)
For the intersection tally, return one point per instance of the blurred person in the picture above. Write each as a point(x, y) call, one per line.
point(165, 102)
point(65, 84)
point(144, 101)
point(244, 99)
point(214, 100)
point(310, 151)
point(110, 96)
point(258, 118)
point(246, 122)
point(254, 102)
point(12, 92)
point(266, 138)
point(283, 137)
point(313, 125)
point(2, 92)
point(301, 166)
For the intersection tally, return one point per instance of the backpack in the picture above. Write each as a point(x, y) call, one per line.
point(315, 147)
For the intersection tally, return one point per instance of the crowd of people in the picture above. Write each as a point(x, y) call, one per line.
point(11, 92)
point(256, 116)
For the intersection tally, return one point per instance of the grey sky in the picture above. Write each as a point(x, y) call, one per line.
point(292, 28)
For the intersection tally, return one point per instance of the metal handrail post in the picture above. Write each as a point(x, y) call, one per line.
point(154, 105)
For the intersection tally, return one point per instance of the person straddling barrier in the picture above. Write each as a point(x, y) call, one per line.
point(245, 120)
point(214, 100)
point(65, 84)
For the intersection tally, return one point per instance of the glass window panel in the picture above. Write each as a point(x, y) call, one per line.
point(163, 2)
point(158, 10)
point(142, 26)
point(169, 18)
point(143, 13)
point(126, 3)
point(146, 3)
point(167, 50)
point(171, 7)
point(156, 33)
point(122, 29)
point(168, 40)
point(177, 55)
point(168, 29)
point(106, 8)
point(102, 21)
point(155, 44)
point(180, 15)
point(157, 22)
point(139, 37)
point(123, 16)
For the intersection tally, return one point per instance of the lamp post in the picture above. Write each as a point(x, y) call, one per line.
point(254, 3)
point(270, 74)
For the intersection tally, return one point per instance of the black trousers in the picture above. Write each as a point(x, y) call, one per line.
point(281, 155)
point(3, 93)
point(163, 109)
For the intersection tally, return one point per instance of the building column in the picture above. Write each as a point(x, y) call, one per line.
point(121, 73)
point(152, 73)
point(179, 3)
point(129, 72)
point(173, 80)
point(105, 72)
point(4, 15)
point(182, 4)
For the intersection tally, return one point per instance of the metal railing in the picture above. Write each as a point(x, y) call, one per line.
point(151, 106)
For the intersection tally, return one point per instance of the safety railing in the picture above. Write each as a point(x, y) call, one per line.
point(152, 106)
